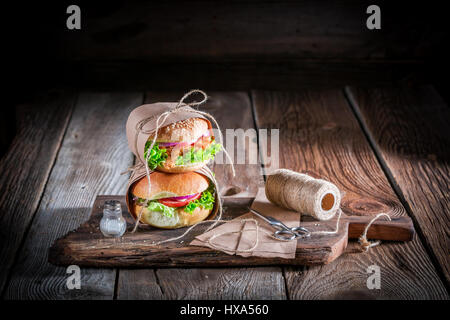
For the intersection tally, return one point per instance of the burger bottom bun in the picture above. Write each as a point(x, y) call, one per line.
point(181, 169)
point(180, 219)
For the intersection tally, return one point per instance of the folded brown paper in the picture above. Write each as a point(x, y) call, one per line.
point(238, 236)
point(141, 123)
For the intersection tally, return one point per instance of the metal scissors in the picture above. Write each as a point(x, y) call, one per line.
point(283, 232)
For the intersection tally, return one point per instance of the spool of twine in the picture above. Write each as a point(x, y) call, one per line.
point(304, 194)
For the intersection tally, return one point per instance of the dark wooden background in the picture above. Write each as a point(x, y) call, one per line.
point(225, 44)
point(218, 45)
point(386, 89)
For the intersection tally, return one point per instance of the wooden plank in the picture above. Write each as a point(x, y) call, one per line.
point(24, 169)
point(138, 284)
point(87, 247)
point(232, 110)
point(90, 160)
point(222, 283)
point(410, 129)
point(319, 134)
point(204, 283)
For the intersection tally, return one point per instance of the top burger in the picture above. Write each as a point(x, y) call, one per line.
point(182, 146)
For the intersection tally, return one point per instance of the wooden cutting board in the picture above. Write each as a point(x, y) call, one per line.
point(86, 246)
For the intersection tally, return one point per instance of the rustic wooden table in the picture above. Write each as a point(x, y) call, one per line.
point(388, 149)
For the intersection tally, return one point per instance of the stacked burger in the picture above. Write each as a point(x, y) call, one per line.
point(179, 195)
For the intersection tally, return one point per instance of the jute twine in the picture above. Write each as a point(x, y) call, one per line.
point(286, 188)
point(365, 244)
point(181, 106)
point(311, 190)
point(302, 193)
point(257, 230)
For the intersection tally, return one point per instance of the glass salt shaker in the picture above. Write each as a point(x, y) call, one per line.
point(112, 223)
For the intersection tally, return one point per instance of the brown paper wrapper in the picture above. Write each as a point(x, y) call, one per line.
point(137, 139)
point(236, 237)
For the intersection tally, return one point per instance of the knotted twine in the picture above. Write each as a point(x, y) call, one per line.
point(365, 244)
point(180, 107)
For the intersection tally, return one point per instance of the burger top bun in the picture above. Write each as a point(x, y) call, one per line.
point(166, 185)
point(186, 130)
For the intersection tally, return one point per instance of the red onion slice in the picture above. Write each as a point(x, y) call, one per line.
point(168, 144)
point(183, 197)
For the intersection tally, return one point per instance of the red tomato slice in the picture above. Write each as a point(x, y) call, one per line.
point(178, 203)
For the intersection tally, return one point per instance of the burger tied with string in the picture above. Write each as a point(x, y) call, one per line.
point(182, 146)
point(170, 185)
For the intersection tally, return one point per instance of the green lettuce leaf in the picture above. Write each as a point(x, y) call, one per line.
point(157, 206)
point(199, 155)
point(206, 201)
point(157, 155)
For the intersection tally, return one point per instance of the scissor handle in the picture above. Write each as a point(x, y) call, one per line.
point(283, 232)
point(292, 233)
point(285, 235)
point(301, 232)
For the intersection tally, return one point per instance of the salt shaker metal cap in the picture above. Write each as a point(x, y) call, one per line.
point(112, 206)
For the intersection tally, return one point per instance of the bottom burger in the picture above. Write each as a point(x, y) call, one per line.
point(175, 200)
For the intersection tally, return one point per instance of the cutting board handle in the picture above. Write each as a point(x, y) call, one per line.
point(398, 229)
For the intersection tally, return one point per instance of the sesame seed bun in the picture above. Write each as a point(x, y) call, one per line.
point(189, 130)
point(186, 130)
